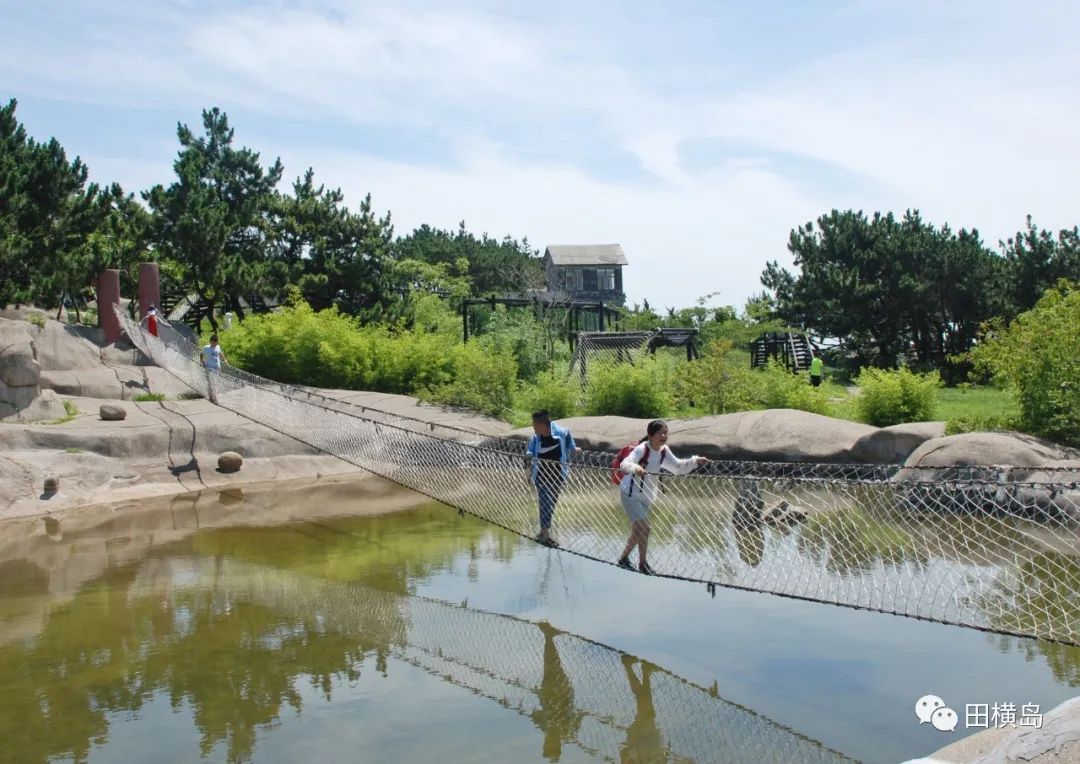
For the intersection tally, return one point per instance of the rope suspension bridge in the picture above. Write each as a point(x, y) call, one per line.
point(995, 549)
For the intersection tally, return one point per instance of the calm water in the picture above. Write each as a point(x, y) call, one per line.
point(291, 622)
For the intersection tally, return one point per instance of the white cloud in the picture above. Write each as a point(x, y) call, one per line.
point(965, 110)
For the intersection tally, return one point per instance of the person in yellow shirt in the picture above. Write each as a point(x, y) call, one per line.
point(817, 368)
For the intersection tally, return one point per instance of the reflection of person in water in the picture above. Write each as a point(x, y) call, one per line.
point(643, 740)
point(557, 716)
point(746, 521)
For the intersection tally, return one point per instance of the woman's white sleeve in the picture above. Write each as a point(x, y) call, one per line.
point(679, 466)
point(633, 459)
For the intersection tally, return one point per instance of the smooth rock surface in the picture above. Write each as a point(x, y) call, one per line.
point(19, 366)
point(117, 382)
point(772, 435)
point(989, 448)
point(67, 347)
point(24, 404)
point(893, 445)
point(1056, 742)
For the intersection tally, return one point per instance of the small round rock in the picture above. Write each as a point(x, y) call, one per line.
point(230, 461)
point(110, 412)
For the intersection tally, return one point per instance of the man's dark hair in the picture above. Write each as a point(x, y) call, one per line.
point(542, 415)
point(213, 338)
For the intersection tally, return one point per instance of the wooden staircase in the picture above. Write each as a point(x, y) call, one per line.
point(792, 349)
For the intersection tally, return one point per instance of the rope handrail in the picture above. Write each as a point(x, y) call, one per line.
point(964, 546)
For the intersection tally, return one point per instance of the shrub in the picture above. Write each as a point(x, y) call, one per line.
point(548, 392)
point(1037, 358)
point(522, 336)
point(777, 388)
point(328, 349)
point(36, 319)
point(721, 380)
point(893, 397)
point(147, 397)
point(482, 381)
point(634, 391)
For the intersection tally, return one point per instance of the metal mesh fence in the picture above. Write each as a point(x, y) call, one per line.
point(990, 548)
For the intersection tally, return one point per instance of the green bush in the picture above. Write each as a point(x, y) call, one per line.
point(36, 319)
point(720, 381)
point(522, 336)
point(1037, 358)
point(777, 388)
point(483, 381)
point(893, 397)
point(640, 391)
point(547, 392)
point(328, 349)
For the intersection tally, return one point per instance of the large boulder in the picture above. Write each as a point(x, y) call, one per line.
point(773, 435)
point(408, 406)
point(19, 365)
point(14, 400)
point(892, 445)
point(21, 399)
point(999, 472)
point(976, 449)
point(65, 347)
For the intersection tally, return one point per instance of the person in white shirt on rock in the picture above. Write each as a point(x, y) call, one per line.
point(212, 356)
point(641, 483)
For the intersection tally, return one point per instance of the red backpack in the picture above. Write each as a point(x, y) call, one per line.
point(616, 466)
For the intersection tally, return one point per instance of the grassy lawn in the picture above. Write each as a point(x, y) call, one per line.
point(953, 403)
point(975, 402)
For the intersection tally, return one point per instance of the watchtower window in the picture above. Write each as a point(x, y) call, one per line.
point(605, 278)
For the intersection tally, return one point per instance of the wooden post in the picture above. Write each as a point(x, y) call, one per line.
point(149, 289)
point(108, 299)
point(465, 321)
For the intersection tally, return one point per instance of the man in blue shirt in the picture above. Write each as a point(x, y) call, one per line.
point(550, 448)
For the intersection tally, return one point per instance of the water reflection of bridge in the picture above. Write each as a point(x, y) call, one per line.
point(577, 692)
point(135, 604)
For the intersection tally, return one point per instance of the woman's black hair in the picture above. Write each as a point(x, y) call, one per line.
point(654, 427)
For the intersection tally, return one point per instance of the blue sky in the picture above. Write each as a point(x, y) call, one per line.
point(696, 134)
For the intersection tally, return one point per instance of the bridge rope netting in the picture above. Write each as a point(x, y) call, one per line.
point(996, 549)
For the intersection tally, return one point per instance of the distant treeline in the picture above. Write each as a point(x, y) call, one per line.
point(224, 230)
point(893, 288)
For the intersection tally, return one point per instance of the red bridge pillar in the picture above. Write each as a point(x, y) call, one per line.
point(149, 288)
point(108, 297)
